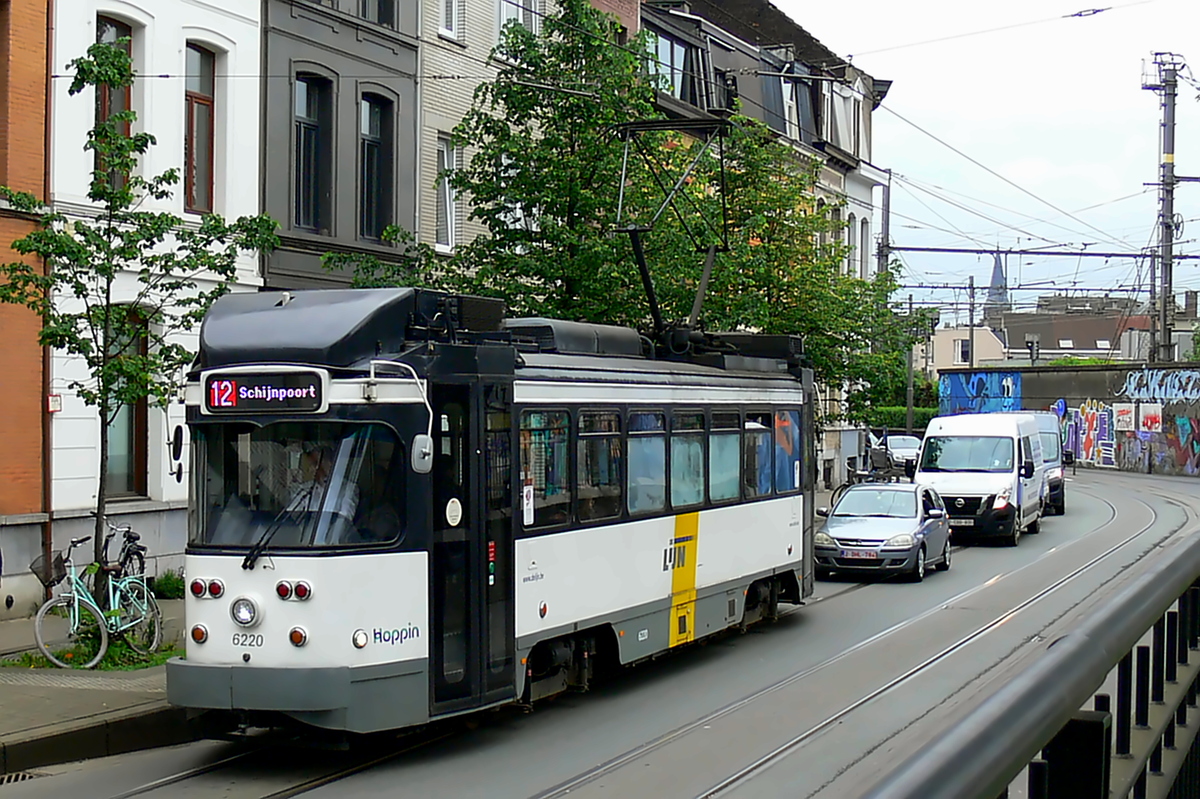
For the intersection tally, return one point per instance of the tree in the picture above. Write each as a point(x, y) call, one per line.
point(544, 178)
point(169, 271)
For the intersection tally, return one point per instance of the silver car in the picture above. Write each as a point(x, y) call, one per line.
point(884, 528)
point(903, 448)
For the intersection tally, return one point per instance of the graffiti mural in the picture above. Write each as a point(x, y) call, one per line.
point(1089, 432)
point(1162, 386)
point(979, 392)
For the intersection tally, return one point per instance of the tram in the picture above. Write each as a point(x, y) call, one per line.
point(406, 506)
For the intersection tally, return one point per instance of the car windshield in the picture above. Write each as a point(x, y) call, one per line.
point(967, 454)
point(904, 442)
point(297, 485)
point(1051, 446)
point(877, 502)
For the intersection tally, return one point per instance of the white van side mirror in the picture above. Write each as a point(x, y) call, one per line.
point(422, 453)
point(1027, 469)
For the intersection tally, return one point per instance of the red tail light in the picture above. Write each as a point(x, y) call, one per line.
point(216, 588)
point(284, 589)
point(303, 591)
point(198, 588)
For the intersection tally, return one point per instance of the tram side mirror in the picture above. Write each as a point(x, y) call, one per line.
point(177, 443)
point(422, 453)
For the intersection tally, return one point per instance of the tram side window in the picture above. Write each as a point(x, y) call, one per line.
point(646, 490)
point(599, 467)
point(687, 459)
point(758, 454)
point(724, 457)
point(787, 451)
point(545, 468)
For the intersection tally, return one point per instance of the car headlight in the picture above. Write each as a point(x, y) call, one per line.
point(244, 611)
point(1001, 500)
point(824, 540)
point(902, 540)
point(1055, 473)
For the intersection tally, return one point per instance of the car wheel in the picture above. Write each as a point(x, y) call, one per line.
point(918, 570)
point(944, 565)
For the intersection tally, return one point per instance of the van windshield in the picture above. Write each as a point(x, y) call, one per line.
point(967, 454)
point(1051, 447)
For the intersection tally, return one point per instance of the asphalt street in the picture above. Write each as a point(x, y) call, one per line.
point(818, 704)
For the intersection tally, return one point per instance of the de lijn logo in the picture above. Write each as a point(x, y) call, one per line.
point(395, 637)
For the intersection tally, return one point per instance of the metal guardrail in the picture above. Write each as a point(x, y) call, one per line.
point(981, 754)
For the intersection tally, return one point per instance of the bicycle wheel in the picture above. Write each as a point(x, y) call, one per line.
point(133, 563)
point(139, 610)
point(71, 632)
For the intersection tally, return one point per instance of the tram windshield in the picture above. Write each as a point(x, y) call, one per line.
point(298, 485)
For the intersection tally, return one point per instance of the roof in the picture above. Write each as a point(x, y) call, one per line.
point(759, 21)
point(1084, 331)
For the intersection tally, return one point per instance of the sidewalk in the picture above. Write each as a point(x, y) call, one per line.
point(56, 715)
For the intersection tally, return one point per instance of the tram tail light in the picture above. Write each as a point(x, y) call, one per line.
point(283, 589)
point(216, 589)
point(199, 634)
point(303, 591)
point(199, 588)
point(298, 636)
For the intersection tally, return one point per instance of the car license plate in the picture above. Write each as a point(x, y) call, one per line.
point(962, 522)
point(859, 553)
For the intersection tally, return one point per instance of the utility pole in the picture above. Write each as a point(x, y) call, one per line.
point(971, 324)
point(908, 418)
point(1168, 65)
point(1152, 351)
point(885, 249)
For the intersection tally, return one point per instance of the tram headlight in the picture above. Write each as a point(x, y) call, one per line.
point(359, 639)
point(244, 611)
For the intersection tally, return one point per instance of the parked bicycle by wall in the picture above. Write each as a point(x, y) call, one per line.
point(71, 630)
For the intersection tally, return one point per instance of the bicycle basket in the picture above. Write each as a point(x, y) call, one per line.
point(52, 573)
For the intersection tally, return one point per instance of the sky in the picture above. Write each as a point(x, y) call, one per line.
point(1051, 102)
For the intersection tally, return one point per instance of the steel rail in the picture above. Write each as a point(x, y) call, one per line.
point(564, 788)
point(981, 754)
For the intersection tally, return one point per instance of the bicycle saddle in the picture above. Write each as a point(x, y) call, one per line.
point(111, 568)
point(130, 535)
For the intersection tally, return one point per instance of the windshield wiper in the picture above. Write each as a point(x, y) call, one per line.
point(260, 546)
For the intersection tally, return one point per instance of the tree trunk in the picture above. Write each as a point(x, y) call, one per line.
point(100, 583)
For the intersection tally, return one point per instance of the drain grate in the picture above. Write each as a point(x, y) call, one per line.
point(18, 776)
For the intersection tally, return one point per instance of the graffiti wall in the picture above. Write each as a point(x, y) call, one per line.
point(1114, 417)
point(979, 392)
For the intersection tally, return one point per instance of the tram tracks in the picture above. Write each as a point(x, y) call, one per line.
point(744, 774)
point(244, 762)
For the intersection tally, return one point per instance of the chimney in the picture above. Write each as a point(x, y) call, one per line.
point(1189, 304)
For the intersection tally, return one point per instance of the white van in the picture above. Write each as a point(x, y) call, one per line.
point(988, 468)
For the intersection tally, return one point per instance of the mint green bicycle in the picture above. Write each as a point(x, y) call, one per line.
point(71, 630)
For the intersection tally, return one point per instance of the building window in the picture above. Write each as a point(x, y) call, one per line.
point(1066, 344)
point(864, 250)
point(198, 137)
point(109, 100)
point(962, 350)
point(522, 12)
point(1103, 344)
point(127, 429)
point(381, 12)
point(852, 252)
point(677, 64)
point(312, 157)
point(446, 233)
point(375, 170)
point(449, 25)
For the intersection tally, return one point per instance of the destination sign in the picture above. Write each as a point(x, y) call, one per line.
point(275, 392)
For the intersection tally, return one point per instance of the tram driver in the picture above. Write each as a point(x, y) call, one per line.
point(318, 492)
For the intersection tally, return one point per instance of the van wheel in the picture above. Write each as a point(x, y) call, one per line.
point(1014, 537)
point(1035, 526)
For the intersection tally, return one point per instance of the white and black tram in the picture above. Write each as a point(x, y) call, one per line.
point(405, 506)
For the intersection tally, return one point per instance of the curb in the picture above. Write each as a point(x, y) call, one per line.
point(145, 726)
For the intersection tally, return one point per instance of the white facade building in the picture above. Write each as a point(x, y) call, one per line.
point(195, 61)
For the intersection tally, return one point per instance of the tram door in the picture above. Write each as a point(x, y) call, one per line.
point(471, 596)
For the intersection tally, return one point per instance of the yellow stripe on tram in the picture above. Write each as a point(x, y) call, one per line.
point(683, 578)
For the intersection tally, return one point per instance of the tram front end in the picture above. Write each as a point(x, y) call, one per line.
point(307, 572)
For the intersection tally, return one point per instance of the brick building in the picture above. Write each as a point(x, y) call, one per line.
point(23, 168)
